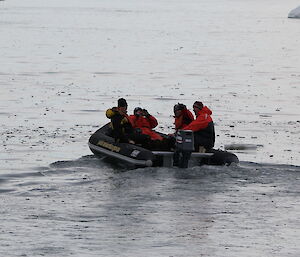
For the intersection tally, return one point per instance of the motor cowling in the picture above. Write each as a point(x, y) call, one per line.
point(184, 147)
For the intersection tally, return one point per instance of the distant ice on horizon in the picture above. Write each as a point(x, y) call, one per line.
point(295, 13)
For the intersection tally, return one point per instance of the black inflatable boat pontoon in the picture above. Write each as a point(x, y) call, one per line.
point(103, 145)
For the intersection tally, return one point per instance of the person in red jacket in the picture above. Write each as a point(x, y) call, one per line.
point(141, 119)
point(203, 127)
point(182, 115)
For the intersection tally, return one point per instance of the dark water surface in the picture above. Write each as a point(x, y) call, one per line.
point(89, 207)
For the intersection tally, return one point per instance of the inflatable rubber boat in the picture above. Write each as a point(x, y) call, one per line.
point(101, 144)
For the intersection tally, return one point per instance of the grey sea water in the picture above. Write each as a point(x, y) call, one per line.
point(63, 63)
point(88, 207)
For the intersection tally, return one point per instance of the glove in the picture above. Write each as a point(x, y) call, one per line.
point(146, 113)
point(138, 130)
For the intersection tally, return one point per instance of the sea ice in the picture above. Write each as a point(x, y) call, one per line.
point(295, 13)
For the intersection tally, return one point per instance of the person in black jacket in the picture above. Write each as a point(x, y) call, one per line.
point(121, 128)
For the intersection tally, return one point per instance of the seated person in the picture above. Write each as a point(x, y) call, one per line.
point(203, 128)
point(121, 128)
point(141, 119)
point(182, 115)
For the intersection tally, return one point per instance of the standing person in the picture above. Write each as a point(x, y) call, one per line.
point(120, 124)
point(203, 128)
point(182, 115)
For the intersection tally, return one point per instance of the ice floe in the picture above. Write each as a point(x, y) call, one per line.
point(295, 13)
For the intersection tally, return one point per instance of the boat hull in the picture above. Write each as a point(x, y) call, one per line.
point(101, 144)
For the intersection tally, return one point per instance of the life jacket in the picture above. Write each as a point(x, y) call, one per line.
point(120, 125)
point(145, 124)
point(184, 119)
point(203, 128)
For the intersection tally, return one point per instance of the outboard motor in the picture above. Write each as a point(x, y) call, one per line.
point(184, 148)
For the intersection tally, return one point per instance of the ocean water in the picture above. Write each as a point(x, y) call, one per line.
point(88, 207)
point(63, 63)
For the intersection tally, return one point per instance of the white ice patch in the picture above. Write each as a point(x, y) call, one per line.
point(295, 13)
